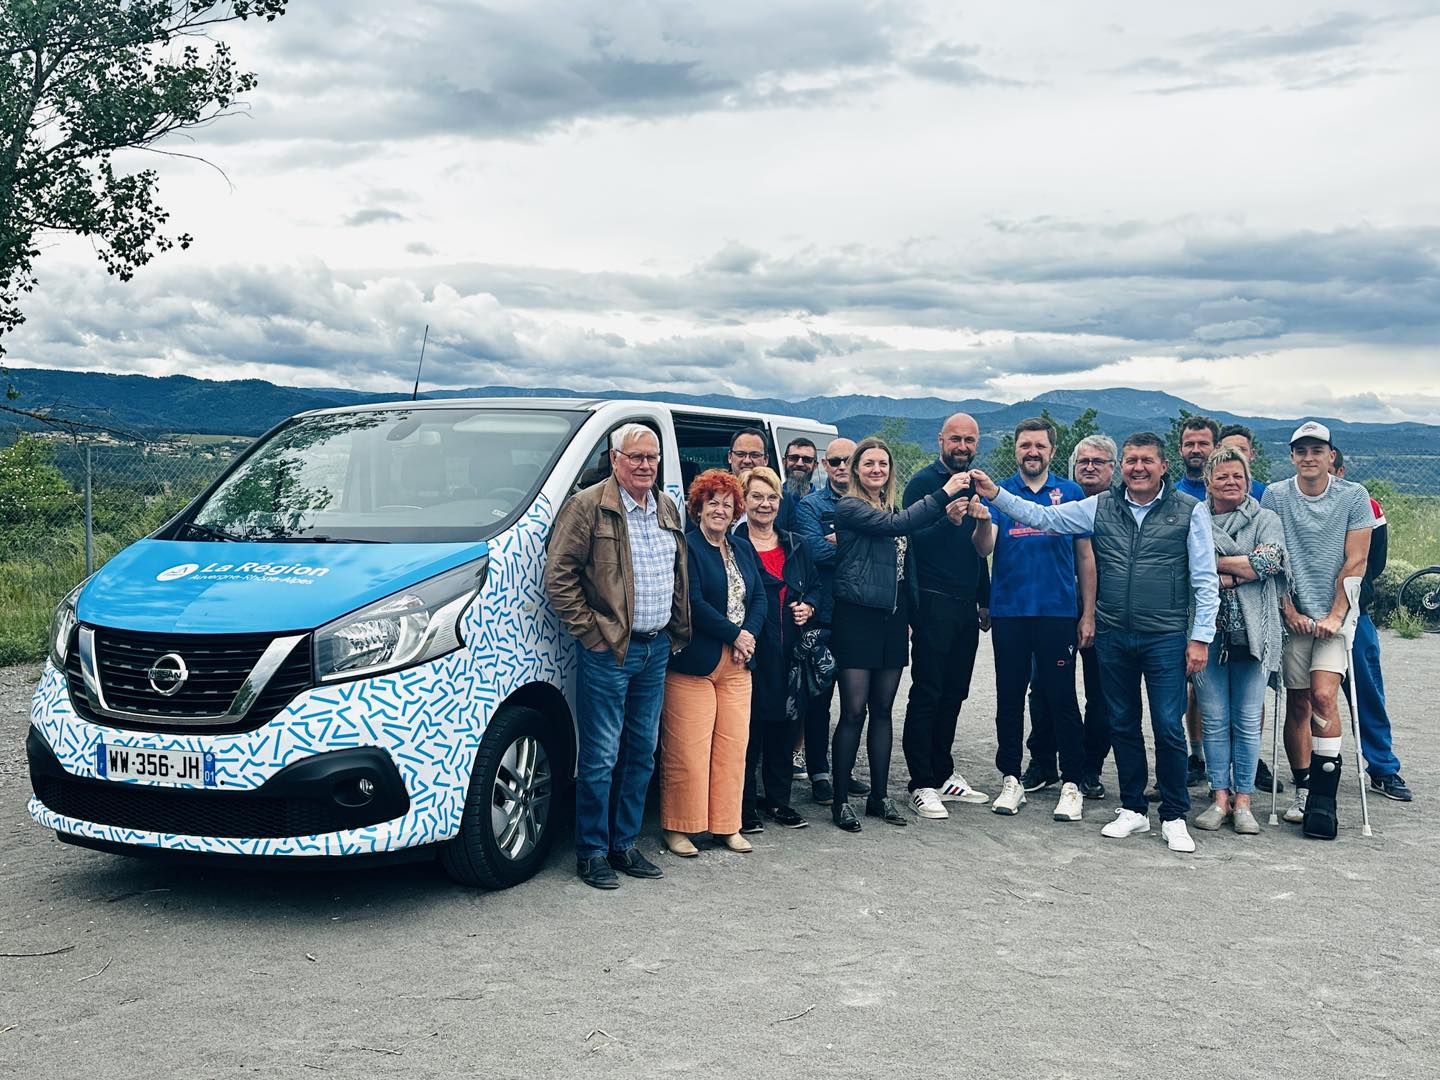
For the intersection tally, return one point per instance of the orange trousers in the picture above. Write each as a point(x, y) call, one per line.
point(704, 729)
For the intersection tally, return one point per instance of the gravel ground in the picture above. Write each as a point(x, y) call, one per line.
point(979, 946)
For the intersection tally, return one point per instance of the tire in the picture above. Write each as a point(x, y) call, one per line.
point(508, 824)
point(1420, 594)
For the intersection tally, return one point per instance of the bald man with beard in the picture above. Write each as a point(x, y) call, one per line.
point(954, 588)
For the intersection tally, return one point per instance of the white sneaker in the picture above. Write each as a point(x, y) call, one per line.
point(1126, 823)
point(958, 789)
point(1176, 835)
point(1071, 806)
point(798, 769)
point(1011, 797)
point(1296, 812)
point(926, 802)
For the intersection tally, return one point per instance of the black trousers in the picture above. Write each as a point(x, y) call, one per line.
point(817, 731)
point(1041, 742)
point(1042, 650)
point(945, 634)
point(772, 735)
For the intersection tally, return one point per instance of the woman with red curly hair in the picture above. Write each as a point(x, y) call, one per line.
point(705, 722)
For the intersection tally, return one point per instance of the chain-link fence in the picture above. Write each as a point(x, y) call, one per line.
point(70, 498)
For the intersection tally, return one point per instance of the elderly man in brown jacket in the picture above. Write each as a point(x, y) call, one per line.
point(616, 575)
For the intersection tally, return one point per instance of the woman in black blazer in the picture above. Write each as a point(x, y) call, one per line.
point(705, 721)
point(791, 593)
point(869, 626)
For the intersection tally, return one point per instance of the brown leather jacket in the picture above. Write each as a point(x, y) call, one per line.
point(588, 576)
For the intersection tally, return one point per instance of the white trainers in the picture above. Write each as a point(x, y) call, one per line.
point(1126, 823)
point(1177, 835)
point(1011, 797)
point(798, 769)
point(926, 802)
point(1295, 814)
point(958, 789)
point(1071, 806)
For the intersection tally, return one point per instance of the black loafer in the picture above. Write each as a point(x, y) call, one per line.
point(596, 873)
point(786, 817)
point(750, 823)
point(1264, 778)
point(822, 792)
point(1091, 787)
point(631, 862)
point(887, 812)
point(858, 786)
point(845, 818)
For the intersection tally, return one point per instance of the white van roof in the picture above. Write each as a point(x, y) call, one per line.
point(568, 404)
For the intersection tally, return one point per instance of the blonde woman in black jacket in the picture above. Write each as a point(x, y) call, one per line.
point(870, 632)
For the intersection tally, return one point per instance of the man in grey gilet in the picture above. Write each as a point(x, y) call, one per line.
point(1155, 564)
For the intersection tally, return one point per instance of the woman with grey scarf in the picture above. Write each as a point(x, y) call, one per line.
point(1250, 556)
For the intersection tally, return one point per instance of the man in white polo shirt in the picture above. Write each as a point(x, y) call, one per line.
point(1327, 524)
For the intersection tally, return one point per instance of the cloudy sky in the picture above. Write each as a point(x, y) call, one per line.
point(1235, 202)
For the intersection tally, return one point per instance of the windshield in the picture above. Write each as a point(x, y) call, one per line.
point(396, 476)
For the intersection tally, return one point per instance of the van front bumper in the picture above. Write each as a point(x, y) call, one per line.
point(290, 787)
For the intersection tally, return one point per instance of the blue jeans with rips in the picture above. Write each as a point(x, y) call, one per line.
point(619, 722)
point(1232, 701)
point(1159, 659)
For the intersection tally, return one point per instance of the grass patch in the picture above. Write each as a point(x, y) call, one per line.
point(1406, 623)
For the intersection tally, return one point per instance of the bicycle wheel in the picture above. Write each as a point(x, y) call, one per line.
point(1420, 593)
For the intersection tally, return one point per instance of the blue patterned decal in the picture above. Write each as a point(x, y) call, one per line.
point(429, 718)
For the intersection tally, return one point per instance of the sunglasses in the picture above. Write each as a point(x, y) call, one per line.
point(799, 459)
point(836, 462)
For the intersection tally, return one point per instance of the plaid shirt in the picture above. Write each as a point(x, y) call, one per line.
point(652, 557)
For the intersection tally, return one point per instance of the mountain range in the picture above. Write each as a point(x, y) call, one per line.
point(150, 406)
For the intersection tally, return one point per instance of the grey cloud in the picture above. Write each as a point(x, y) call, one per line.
point(374, 216)
point(1331, 51)
point(419, 247)
point(951, 62)
point(356, 73)
point(1078, 300)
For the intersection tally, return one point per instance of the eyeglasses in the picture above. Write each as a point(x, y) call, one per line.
point(799, 459)
point(748, 455)
point(640, 459)
point(1094, 462)
point(836, 462)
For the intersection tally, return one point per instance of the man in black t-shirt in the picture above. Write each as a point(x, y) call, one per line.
point(954, 584)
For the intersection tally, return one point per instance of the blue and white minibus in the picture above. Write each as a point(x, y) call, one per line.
point(342, 648)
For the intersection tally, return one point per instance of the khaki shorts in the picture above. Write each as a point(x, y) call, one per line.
point(1304, 654)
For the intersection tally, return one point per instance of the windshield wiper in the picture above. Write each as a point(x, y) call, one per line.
point(214, 533)
point(318, 539)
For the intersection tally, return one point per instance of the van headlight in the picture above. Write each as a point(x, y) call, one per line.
point(62, 625)
point(409, 627)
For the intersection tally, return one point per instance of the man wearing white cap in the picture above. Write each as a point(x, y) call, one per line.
point(1327, 524)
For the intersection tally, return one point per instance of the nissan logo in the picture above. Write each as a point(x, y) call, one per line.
point(168, 674)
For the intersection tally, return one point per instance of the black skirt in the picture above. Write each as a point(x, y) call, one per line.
point(866, 637)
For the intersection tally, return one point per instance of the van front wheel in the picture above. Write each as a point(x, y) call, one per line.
point(505, 831)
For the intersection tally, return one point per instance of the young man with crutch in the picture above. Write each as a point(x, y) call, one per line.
point(1327, 523)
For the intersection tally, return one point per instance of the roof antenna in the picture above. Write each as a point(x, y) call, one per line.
point(414, 394)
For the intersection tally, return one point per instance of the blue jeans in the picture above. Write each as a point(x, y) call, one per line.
point(1380, 759)
point(1232, 701)
point(1125, 658)
point(619, 721)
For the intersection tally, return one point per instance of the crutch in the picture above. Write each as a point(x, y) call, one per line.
point(1276, 720)
point(1352, 617)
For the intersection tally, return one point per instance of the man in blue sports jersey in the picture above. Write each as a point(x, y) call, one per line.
point(1032, 622)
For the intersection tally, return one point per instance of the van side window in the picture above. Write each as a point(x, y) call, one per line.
point(704, 442)
point(597, 462)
